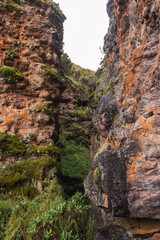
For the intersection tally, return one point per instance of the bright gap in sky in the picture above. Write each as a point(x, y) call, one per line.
point(84, 30)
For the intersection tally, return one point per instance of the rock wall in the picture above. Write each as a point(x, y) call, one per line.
point(31, 34)
point(124, 178)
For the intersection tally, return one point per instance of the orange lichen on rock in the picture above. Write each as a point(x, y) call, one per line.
point(145, 125)
point(131, 75)
point(22, 50)
point(131, 172)
point(25, 117)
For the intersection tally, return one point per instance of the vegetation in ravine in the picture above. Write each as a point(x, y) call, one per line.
point(48, 216)
point(82, 80)
point(75, 165)
point(76, 126)
point(26, 213)
point(58, 212)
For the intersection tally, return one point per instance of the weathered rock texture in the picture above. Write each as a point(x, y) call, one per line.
point(31, 34)
point(125, 175)
point(30, 41)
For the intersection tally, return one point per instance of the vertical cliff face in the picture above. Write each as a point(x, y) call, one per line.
point(125, 174)
point(30, 49)
point(31, 34)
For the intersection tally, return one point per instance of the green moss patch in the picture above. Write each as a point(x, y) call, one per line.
point(11, 145)
point(10, 75)
point(84, 113)
point(11, 55)
point(77, 86)
point(97, 178)
point(96, 175)
point(18, 178)
point(23, 172)
point(50, 150)
point(44, 109)
point(53, 72)
point(78, 133)
point(117, 116)
point(13, 6)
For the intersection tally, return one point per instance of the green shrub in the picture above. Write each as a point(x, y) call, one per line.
point(50, 219)
point(5, 212)
point(75, 167)
point(75, 161)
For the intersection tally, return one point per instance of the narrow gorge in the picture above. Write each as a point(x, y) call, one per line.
point(62, 125)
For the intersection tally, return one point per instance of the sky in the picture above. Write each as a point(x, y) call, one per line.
point(84, 30)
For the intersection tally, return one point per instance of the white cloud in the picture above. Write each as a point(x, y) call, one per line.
point(84, 30)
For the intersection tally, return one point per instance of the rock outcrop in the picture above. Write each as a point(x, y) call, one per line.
point(124, 178)
point(31, 34)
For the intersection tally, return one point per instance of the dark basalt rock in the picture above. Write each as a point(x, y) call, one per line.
point(113, 180)
point(105, 113)
point(112, 233)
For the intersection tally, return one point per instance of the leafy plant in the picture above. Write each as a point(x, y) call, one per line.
point(47, 218)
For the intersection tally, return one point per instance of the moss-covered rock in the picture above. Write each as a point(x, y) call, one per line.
point(10, 75)
point(44, 109)
point(84, 113)
point(26, 176)
point(13, 6)
point(77, 132)
point(77, 86)
point(49, 150)
point(20, 176)
point(11, 145)
point(97, 178)
point(53, 72)
point(11, 55)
